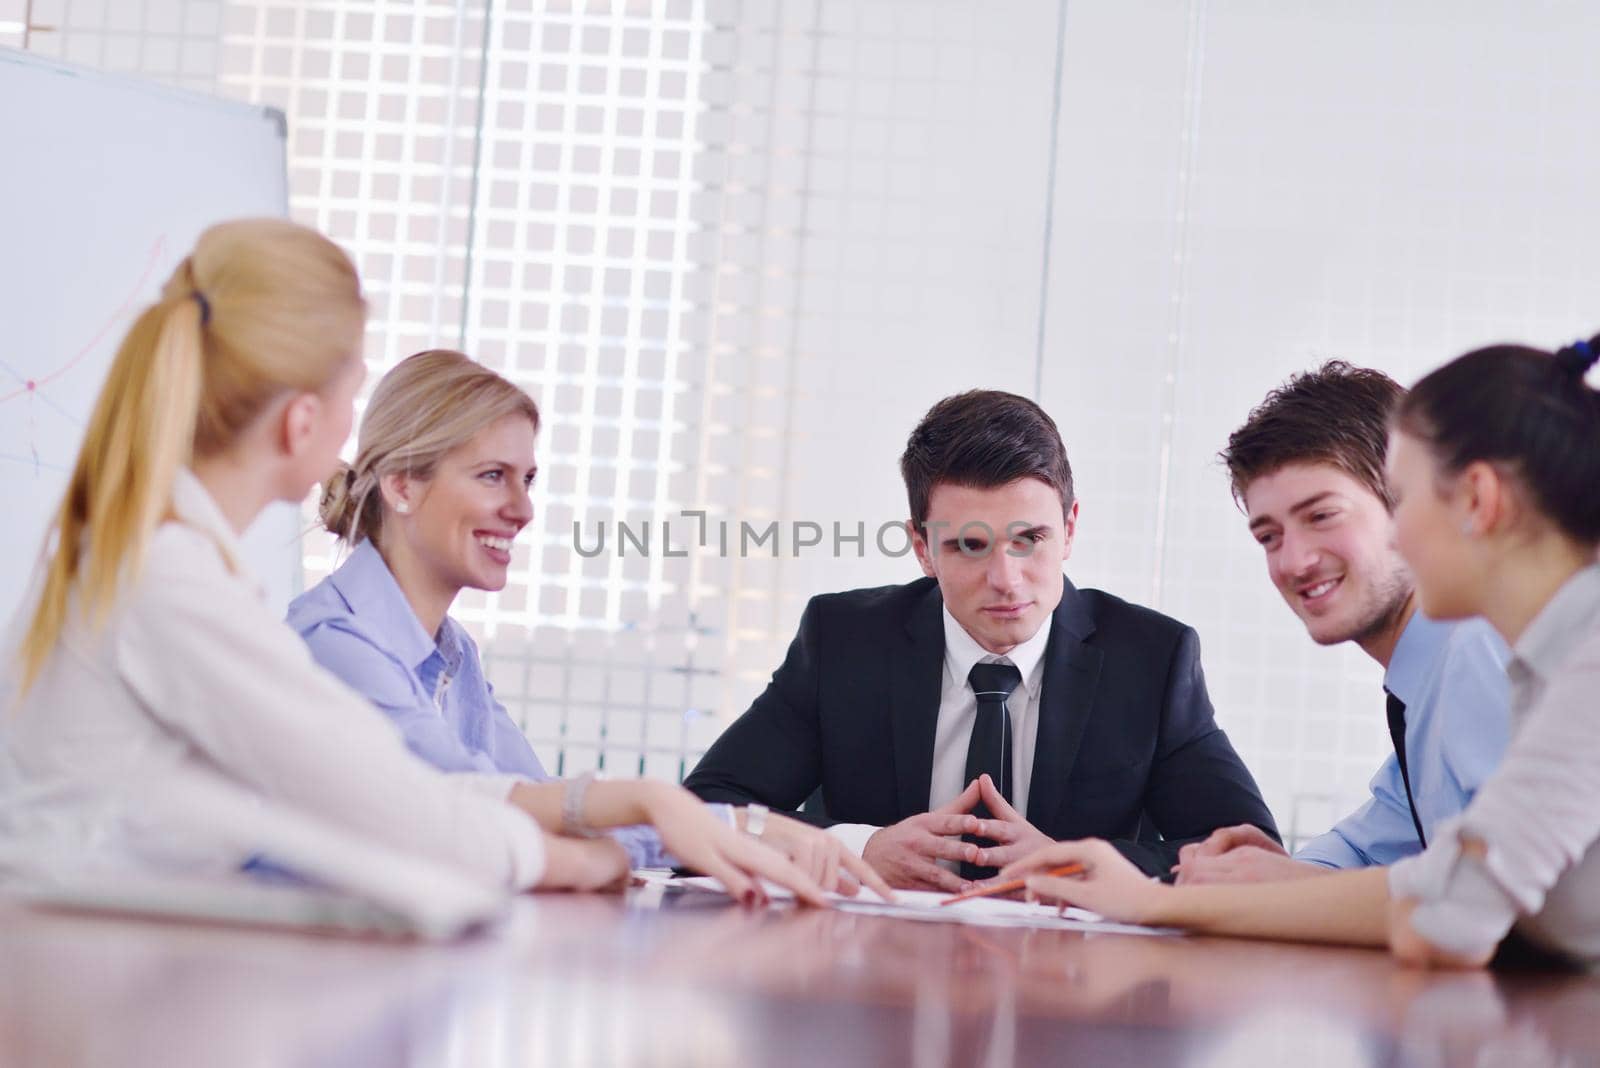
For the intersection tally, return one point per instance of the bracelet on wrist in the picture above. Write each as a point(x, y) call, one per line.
point(572, 794)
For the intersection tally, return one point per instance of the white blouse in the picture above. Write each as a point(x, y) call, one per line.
point(194, 733)
point(1539, 813)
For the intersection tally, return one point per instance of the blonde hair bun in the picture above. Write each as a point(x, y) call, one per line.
point(339, 506)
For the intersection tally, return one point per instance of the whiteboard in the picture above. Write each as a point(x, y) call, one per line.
point(105, 183)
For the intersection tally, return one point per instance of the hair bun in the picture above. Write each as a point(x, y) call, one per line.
point(1578, 357)
point(339, 504)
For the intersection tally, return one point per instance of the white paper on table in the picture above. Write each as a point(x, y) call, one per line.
point(925, 905)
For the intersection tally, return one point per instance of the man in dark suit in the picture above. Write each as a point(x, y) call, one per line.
point(960, 722)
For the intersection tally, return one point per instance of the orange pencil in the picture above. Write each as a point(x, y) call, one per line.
point(1013, 884)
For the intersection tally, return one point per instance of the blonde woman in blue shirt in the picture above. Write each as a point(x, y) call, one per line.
point(439, 490)
point(164, 720)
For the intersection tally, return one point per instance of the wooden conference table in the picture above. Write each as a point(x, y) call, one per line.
point(685, 979)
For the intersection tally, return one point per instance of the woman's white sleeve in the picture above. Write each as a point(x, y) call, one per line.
point(207, 659)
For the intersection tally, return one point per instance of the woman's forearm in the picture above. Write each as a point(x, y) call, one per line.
point(605, 804)
point(1348, 907)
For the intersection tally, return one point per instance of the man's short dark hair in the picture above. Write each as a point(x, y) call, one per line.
point(1337, 414)
point(983, 438)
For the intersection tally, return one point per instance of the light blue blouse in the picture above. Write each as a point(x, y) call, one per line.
point(360, 626)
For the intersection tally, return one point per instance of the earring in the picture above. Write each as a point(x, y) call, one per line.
point(1466, 528)
point(402, 507)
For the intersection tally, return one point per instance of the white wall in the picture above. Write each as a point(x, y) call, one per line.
point(1267, 187)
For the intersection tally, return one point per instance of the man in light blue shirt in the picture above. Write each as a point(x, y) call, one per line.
point(1451, 677)
point(1307, 467)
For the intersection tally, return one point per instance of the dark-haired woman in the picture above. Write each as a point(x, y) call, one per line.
point(1495, 464)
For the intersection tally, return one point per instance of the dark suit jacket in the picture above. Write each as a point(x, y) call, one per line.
point(1127, 750)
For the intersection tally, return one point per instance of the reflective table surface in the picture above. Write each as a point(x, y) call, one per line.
point(686, 979)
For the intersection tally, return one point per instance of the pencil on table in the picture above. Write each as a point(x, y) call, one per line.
point(1065, 871)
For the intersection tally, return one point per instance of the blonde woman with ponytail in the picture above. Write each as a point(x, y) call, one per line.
point(164, 720)
point(437, 493)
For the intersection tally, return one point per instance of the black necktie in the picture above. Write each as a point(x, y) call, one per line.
point(989, 750)
point(1397, 735)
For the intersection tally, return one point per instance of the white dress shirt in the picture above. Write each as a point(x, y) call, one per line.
point(958, 710)
point(1539, 814)
point(193, 733)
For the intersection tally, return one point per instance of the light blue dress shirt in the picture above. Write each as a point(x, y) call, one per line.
point(1452, 679)
point(360, 626)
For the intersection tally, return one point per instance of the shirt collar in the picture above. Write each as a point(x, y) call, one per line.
point(369, 588)
point(962, 651)
point(1414, 656)
point(194, 506)
point(1567, 619)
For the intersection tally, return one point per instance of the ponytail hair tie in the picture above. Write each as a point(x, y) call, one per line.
point(1578, 357)
point(205, 306)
